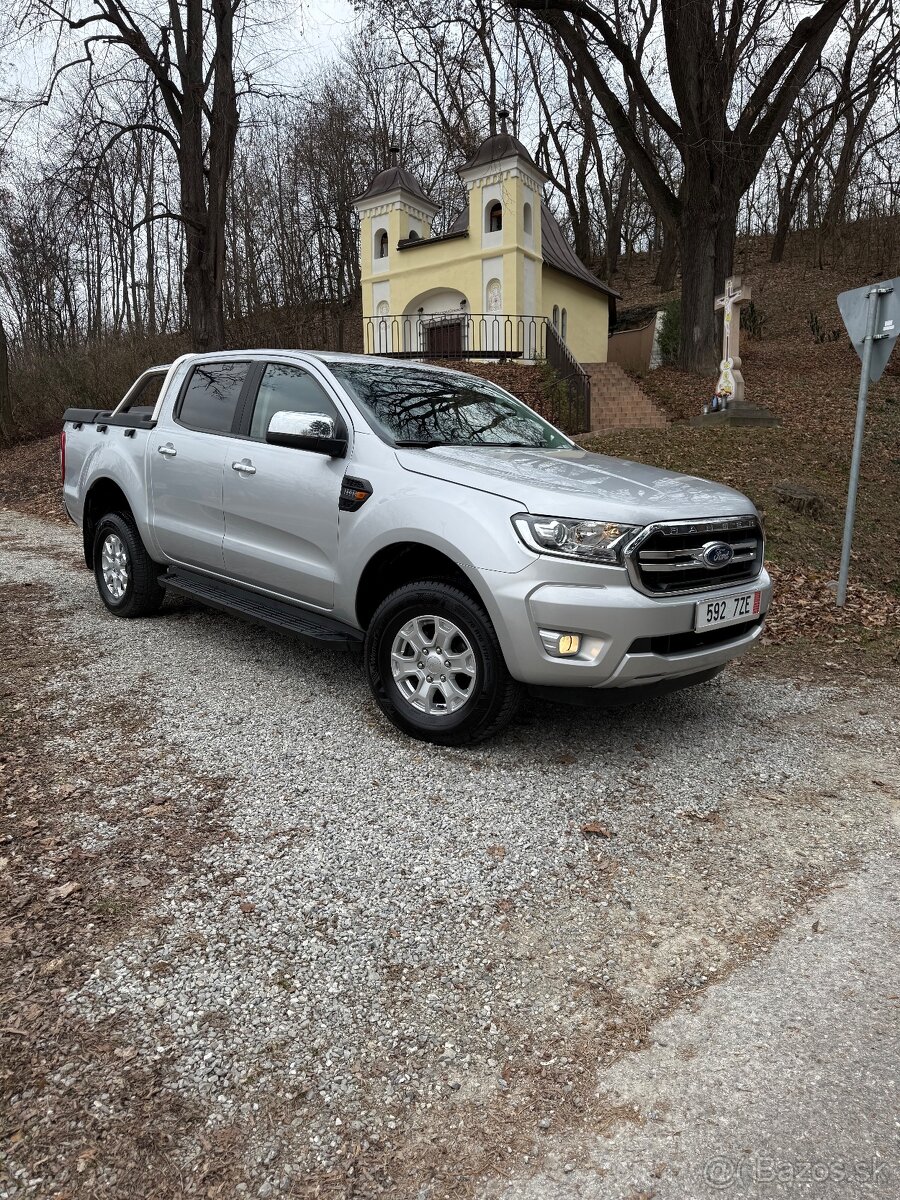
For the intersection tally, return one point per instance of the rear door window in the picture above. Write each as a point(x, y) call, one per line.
point(211, 397)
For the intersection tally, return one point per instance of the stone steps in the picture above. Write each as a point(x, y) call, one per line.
point(617, 402)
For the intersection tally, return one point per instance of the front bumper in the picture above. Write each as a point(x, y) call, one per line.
point(628, 639)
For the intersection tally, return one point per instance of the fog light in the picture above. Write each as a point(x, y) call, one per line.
point(561, 645)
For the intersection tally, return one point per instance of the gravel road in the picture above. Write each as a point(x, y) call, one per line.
point(258, 943)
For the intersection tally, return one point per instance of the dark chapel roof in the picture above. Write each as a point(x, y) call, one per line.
point(392, 178)
point(557, 252)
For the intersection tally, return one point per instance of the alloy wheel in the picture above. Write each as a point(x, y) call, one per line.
point(433, 665)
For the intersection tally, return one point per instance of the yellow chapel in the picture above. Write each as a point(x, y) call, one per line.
point(501, 283)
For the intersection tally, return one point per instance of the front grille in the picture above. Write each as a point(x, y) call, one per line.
point(668, 558)
point(682, 643)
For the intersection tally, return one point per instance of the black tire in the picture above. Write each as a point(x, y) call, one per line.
point(495, 695)
point(142, 594)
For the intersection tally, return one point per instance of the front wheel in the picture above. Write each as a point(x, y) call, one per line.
point(126, 575)
point(435, 666)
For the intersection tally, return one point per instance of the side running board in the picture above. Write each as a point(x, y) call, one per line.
point(262, 610)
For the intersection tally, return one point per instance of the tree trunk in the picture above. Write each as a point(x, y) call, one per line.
point(7, 429)
point(782, 227)
point(697, 238)
point(202, 288)
point(708, 238)
point(204, 177)
point(206, 319)
point(667, 266)
point(615, 222)
point(726, 236)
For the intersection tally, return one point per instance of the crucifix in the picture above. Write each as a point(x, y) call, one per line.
point(731, 381)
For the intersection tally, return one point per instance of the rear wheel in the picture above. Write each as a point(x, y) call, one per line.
point(126, 575)
point(435, 666)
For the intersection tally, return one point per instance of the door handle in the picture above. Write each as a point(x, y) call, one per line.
point(244, 466)
point(168, 450)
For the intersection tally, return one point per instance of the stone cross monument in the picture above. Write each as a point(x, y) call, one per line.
point(730, 387)
point(731, 381)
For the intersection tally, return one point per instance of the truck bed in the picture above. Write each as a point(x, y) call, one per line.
point(135, 418)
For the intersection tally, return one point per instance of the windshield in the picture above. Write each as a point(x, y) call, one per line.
point(416, 407)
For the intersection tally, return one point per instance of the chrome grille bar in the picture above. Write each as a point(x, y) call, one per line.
point(658, 555)
point(692, 564)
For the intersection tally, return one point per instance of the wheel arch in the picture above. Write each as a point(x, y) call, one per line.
point(104, 495)
point(404, 562)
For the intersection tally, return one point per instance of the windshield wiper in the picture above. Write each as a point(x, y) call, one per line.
point(505, 445)
point(424, 444)
point(427, 444)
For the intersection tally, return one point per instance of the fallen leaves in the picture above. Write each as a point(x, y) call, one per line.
point(84, 1158)
point(64, 891)
point(596, 829)
point(155, 810)
point(804, 608)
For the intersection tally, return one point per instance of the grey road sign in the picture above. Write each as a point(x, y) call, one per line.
point(854, 309)
point(872, 317)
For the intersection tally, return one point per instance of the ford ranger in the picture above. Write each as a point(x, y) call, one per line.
point(467, 547)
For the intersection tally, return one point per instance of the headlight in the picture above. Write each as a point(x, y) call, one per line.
point(590, 541)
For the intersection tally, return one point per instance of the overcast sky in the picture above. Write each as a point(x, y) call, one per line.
point(308, 31)
point(319, 26)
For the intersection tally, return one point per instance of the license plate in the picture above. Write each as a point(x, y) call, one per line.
point(726, 610)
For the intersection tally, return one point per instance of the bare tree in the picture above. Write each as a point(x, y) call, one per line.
point(7, 429)
point(721, 138)
point(869, 69)
point(186, 49)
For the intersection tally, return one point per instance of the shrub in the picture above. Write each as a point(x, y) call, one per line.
point(670, 332)
point(820, 335)
point(753, 320)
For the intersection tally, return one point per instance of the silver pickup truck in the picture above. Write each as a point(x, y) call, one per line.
point(470, 549)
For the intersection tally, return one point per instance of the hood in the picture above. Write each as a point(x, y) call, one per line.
point(577, 483)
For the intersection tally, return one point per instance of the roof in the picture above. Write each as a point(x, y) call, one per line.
point(394, 179)
point(412, 243)
point(498, 147)
point(557, 252)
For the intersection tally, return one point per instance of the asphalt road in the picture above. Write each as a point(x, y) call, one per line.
point(783, 1081)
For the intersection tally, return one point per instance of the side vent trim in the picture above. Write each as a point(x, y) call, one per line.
point(354, 493)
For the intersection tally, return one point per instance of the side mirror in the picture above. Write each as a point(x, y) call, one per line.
point(307, 431)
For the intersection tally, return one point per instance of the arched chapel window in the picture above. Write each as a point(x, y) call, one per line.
point(495, 217)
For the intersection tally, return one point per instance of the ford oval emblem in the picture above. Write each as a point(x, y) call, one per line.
point(717, 554)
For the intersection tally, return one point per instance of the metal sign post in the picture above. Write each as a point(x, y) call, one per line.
point(862, 309)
